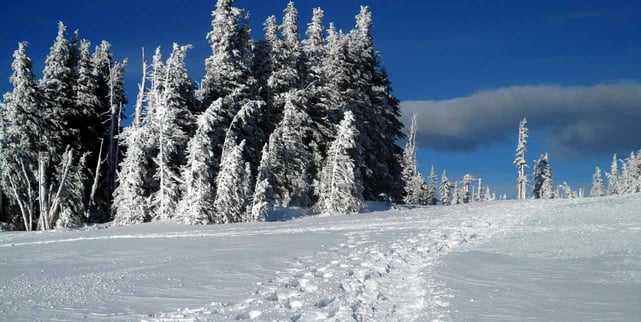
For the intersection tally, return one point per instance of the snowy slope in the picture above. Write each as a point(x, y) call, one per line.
point(435, 263)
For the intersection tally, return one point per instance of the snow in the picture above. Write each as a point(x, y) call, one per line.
point(502, 260)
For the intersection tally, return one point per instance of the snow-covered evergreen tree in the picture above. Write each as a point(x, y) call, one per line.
point(172, 117)
point(613, 176)
point(56, 86)
point(262, 201)
point(467, 188)
point(289, 160)
point(519, 160)
point(227, 70)
point(412, 187)
point(87, 104)
point(233, 182)
point(341, 190)
point(131, 202)
point(314, 47)
point(566, 191)
point(431, 188)
point(445, 189)
point(543, 183)
point(598, 190)
point(199, 173)
point(371, 100)
point(457, 197)
point(24, 130)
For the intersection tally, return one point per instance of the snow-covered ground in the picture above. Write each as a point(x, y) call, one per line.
point(547, 260)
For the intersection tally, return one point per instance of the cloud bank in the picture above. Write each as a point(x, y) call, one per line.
point(578, 120)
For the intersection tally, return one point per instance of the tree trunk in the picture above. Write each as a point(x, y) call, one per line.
point(43, 193)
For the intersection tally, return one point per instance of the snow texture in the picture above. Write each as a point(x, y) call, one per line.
point(500, 260)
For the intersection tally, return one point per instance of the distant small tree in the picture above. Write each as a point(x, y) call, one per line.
point(613, 176)
point(445, 190)
point(543, 184)
point(597, 184)
point(519, 160)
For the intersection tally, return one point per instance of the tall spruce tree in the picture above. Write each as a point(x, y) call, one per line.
point(613, 176)
point(227, 70)
point(519, 160)
point(233, 197)
point(173, 116)
point(288, 158)
point(598, 189)
point(379, 111)
point(24, 130)
point(56, 87)
point(543, 184)
point(199, 173)
point(341, 189)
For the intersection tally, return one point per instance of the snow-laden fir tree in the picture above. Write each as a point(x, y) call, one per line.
point(598, 190)
point(431, 188)
point(480, 191)
point(519, 160)
point(341, 191)
point(445, 189)
point(371, 100)
point(131, 204)
point(543, 183)
point(23, 136)
point(199, 173)
point(288, 158)
point(87, 104)
point(566, 191)
point(262, 201)
point(227, 70)
point(233, 196)
point(314, 47)
point(409, 164)
point(171, 118)
point(56, 87)
point(457, 196)
point(613, 176)
point(467, 188)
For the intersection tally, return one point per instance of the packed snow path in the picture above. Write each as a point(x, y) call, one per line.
point(379, 266)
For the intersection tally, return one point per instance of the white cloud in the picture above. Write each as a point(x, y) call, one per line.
point(578, 120)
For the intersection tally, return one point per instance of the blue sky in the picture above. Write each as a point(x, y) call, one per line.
point(470, 69)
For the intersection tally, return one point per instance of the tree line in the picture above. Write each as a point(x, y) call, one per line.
point(279, 122)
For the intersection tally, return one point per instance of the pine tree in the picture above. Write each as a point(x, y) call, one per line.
point(409, 164)
point(227, 69)
point(173, 116)
point(199, 173)
point(467, 190)
point(445, 189)
point(519, 160)
point(87, 104)
point(314, 47)
point(289, 160)
point(340, 188)
point(232, 197)
point(131, 204)
point(613, 176)
point(56, 86)
point(431, 188)
point(543, 184)
point(24, 130)
point(262, 201)
point(566, 191)
point(597, 184)
point(457, 197)
point(379, 109)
